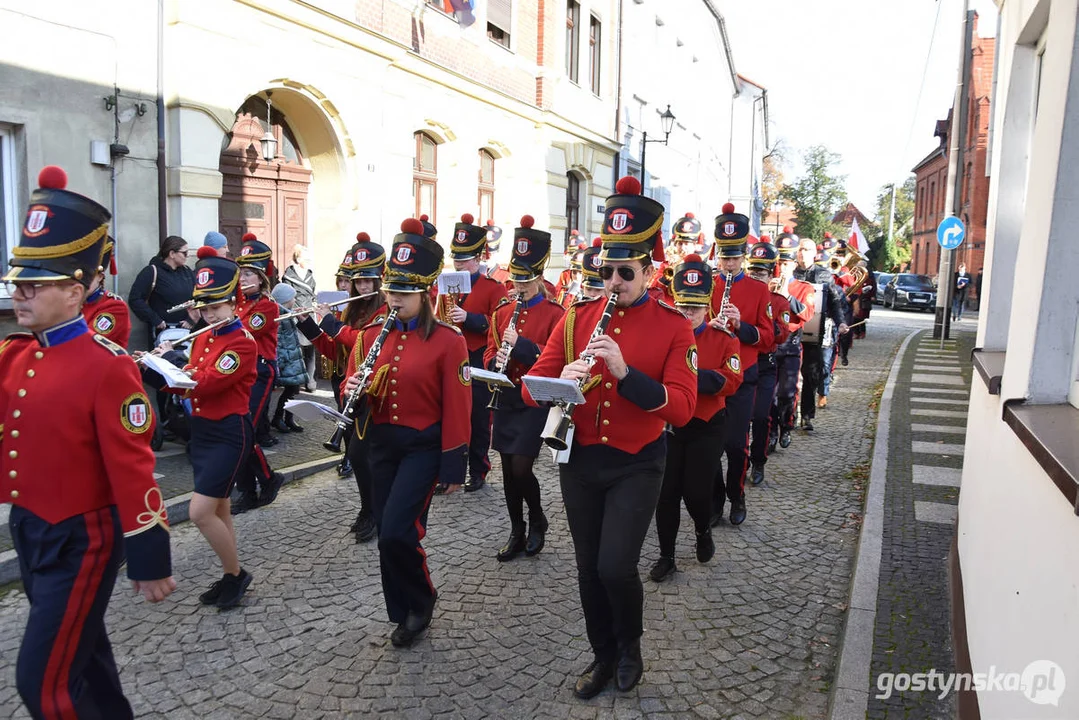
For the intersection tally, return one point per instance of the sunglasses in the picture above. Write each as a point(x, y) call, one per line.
point(626, 273)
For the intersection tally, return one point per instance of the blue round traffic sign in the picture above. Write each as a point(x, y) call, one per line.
point(950, 232)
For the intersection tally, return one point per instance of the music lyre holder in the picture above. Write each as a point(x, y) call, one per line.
point(456, 282)
point(554, 391)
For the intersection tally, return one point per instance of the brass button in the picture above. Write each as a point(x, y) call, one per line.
point(211, 339)
point(394, 406)
point(393, 382)
point(404, 337)
point(395, 418)
point(22, 392)
point(606, 403)
point(38, 355)
point(393, 369)
point(14, 494)
point(607, 385)
point(617, 331)
point(14, 433)
point(604, 438)
point(13, 474)
point(198, 409)
point(621, 313)
point(29, 373)
point(16, 413)
point(206, 350)
point(393, 392)
point(400, 347)
point(606, 421)
point(397, 358)
point(13, 454)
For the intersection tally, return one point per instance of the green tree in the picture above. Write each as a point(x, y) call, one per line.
point(889, 256)
point(818, 194)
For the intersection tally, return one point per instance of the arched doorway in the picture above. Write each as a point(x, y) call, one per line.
point(268, 199)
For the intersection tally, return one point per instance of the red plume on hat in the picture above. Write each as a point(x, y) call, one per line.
point(692, 257)
point(597, 242)
point(363, 237)
point(628, 185)
point(527, 221)
point(205, 252)
point(467, 218)
point(413, 226)
point(249, 236)
point(424, 218)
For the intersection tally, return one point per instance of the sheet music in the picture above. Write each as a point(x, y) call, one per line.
point(454, 281)
point(553, 390)
point(327, 297)
point(308, 410)
point(174, 376)
point(490, 377)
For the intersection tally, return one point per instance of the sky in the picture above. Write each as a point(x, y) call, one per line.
point(846, 74)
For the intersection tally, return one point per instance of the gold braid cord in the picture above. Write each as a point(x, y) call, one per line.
point(413, 278)
point(59, 251)
point(571, 320)
point(636, 237)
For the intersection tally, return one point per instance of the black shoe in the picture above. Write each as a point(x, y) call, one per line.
point(772, 441)
point(738, 512)
point(785, 439)
point(290, 422)
point(266, 440)
point(364, 528)
point(716, 519)
point(515, 545)
point(246, 501)
point(844, 361)
point(271, 488)
point(807, 424)
point(279, 425)
point(211, 596)
point(537, 536)
point(594, 679)
point(344, 468)
point(630, 667)
point(441, 488)
point(475, 483)
point(233, 588)
point(706, 547)
point(663, 569)
point(757, 475)
point(413, 626)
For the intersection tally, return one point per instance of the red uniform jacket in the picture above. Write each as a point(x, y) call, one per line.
point(417, 382)
point(751, 297)
point(661, 387)
point(662, 293)
point(719, 372)
point(781, 318)
point(480, 304)
point(534, 326)
point(844, 279)
point(335, 339)
point(108, 315)
point(224, 364)
point(75, 429)
point(804, 293)
point(259, 315)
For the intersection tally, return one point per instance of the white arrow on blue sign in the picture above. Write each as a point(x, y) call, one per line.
point(950, 232)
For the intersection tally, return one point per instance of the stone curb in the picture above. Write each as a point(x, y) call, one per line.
point(850, 691)
point(177, 508)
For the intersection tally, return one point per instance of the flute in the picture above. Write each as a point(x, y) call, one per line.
point(191, 335)
point(181, 306)
point(308, 311)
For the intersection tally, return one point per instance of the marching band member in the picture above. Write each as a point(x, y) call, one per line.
point(800, 296)
point(105, 313)
point(259, 312)
point(692, 456)
point(335, 337)
point(762, 266)
point(490, 266)
point(591, 261)
point(749, 316)
point(644, 376)
point(567, 289)
point(519, 331)
point(834, 307)
point(420, 405)
point(473, 316)
point(82, 489)
point(224, 366)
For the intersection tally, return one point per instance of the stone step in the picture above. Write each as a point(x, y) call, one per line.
point(937, 476)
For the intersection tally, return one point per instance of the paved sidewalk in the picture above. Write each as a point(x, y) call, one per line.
point(754, 634)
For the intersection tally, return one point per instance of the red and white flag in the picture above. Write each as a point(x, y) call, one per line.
point(857, 239)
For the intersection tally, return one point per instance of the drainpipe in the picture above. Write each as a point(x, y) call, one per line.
point(162, 192)
point(618, 99)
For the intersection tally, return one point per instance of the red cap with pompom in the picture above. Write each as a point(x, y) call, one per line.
point(206, 252)
point(248, 237)
point(527, 221)
point(52, 177)
point(530, 252)
point(469, 240)
point(467, 218)
point(413, 226)
point(632, 223)
point(628, 185)
point(363, 237)
point(693, 257)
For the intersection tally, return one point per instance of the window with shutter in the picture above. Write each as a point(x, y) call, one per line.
point(500, 21)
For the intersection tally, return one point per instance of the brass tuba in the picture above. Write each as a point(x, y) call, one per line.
point(851, 262)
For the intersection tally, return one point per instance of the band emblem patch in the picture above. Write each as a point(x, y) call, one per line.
point(734, 363)
point(228, 363)
point(257, 321)
point(769, 311)
point(691, 359)
point(104, 323)
point(135, 413)
point(786, 316)
point(464, 373)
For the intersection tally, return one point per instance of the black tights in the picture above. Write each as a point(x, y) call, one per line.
point(520, 485)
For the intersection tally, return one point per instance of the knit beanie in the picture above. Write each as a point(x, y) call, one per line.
point(283, 293)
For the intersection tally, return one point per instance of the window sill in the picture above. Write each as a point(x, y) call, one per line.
point(507, 48)
point(990, 365)
point(1049, 432)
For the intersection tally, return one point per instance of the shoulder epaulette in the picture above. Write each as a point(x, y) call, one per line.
point(14, 338)
point(114, 296)
point(109, 344)
point(585, 301)
point(451, 327)
point(376, 322)
point(671, 308)
point(247, 334)
point(503, 301)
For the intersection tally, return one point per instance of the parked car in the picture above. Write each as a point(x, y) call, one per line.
point(881, 279)
point(907, 290)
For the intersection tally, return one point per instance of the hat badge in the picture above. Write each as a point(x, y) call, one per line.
point(595, 261)
point(36, 219)
point(523, 246)
point(687, 226)
point(403, 254)
point(247, 250)
point(204, 278)
point(462, 236)
point(728, 229)
point(361, 256)
point(348, 259)
point(693, 278)
point(620, 221)
point(758, 252)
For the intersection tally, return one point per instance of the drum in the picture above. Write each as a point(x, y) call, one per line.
point(811, 331)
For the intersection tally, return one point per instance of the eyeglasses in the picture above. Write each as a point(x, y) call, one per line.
point(626, 273)
point(28, 290)
point(182, 252)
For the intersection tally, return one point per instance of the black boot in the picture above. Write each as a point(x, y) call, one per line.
point(344, 468)
point(413, 626)
point(594, 679)
point(785, 439)
point(663, 568)
point(233, 588)
point(278, 422)
point(706, 547)
point(271, 488)
point(244, 502)
point(515, 545)
point(537, 533)
point(630, 667)
point(364, 528)
point(738, 512)
point(757, 475)
point(290, 422)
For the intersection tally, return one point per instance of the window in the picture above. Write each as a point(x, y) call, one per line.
point(425, 175)
point(487, 186)
point(594, 52)
point(573, 204)
point(573, 37)
point(9, 204)
point(444, 6)
point(499, 18)
point(932, 200)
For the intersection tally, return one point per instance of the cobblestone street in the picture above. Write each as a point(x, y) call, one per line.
point(754, 634)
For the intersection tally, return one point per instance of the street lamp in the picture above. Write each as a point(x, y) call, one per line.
point(776, 207)
point(666, 120)
point(269, 142)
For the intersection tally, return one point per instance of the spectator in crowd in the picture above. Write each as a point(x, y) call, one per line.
point(291, 374)
point(218, 242)
point(300, 276)
point(960, 286)
point(166, 282)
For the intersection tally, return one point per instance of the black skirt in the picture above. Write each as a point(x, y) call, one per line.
point(219, 450)
point(517, 430)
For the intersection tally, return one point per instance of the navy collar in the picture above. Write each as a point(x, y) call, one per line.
point(475, 277)
point(233, 326)
point(95, 295)
point(535, 301)
point(700, 328)
point(641, 300)
point(407, 327)
point(741, 274)
point(60, 334)
point(255, 297)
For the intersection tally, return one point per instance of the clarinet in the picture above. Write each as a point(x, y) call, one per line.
point(558, 438)
point(366, 370)
point(726, 301)
point(506, 347)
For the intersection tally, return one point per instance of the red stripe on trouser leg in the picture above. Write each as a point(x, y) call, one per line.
point(421, 533)
point(55, 692)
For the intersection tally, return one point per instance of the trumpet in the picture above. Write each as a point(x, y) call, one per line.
point(314, 308)
point(561, 416)
point(366, 371)
point(506, 348)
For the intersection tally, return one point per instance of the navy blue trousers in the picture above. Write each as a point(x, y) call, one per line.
point(65, 666)
point(736, 441)
point(762, 408)
point(480, 442)
point(787, 368)
point(404, 469)
point(258, 469)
